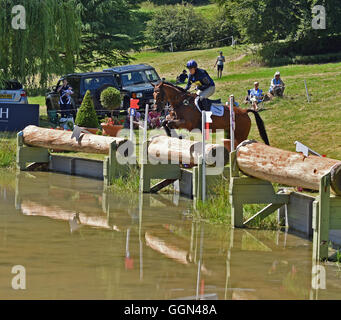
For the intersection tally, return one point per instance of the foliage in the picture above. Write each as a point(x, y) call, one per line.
point(111, 98)
point(220, 26)
point(107, 32)
point(305, 50)
point(179, 25)
point(49, 44)
point(172, 2)
point(86, 115)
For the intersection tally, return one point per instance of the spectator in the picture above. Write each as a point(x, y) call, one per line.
point(136, 120)
point(154, 118)
point(220, 64)
point(277, 86)
point(65, 92)
point(255, 96)
point(182, 77)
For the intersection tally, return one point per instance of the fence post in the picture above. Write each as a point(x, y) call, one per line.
point(203, 128)
point(306, 90)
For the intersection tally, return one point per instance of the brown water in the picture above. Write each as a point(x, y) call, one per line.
point(78, 242)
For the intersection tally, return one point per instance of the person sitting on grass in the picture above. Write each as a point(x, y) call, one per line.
point(277, 86)
point(182, 77)
point(255, 96)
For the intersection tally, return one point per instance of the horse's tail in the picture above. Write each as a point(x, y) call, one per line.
point(260, 126)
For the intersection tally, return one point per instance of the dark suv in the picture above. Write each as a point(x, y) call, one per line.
point(135, 81)
point(96, 82)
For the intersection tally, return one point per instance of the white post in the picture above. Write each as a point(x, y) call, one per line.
point(232, 124)
point(203, 130)
point(306, 90)
point(145, 123)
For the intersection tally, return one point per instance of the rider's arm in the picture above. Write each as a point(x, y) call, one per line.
point(205, 83)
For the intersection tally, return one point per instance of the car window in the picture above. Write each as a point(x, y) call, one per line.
point(133, 77)
point(93, 83)
point(152, 75)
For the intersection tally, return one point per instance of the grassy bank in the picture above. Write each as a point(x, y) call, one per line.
point(7, 150)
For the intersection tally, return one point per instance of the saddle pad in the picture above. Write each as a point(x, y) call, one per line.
point(217, 110)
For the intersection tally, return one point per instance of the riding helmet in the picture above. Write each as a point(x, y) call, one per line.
point(191, 64)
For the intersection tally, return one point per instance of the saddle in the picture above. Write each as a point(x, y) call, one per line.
point(205, 104)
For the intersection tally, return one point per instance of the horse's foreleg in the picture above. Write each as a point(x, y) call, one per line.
point(176, 124)
point(166, 128)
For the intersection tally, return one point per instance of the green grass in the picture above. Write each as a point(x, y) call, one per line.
point(7, 150)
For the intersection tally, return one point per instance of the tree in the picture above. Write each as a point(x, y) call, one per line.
point(110, 28)
point(48, 45)
point(86, 114)
point(178, 24)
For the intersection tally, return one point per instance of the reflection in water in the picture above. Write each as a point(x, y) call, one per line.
point(78, 241)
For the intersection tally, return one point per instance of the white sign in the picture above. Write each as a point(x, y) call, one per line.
point(4, 114)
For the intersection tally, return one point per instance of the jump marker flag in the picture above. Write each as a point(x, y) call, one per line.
point(208, 120)
point(134, 104)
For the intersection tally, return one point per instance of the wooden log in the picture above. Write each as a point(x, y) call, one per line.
point(59, 139)
point(181, 151)
point(285, 167)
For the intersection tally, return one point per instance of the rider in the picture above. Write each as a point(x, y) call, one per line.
point(204, 83)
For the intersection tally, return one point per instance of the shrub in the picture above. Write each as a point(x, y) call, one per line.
point(86, 115)
point(111, 98)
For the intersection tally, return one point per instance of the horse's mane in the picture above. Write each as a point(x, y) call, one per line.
point(175, 86)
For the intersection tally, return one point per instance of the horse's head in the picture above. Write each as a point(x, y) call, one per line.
point(159, 96)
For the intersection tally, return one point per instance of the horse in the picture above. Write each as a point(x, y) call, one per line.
point(187, 115)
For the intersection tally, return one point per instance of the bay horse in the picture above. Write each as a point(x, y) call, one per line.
point(187, 115)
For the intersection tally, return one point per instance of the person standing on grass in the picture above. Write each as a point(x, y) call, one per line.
point(65, 92)
point(220, 64)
